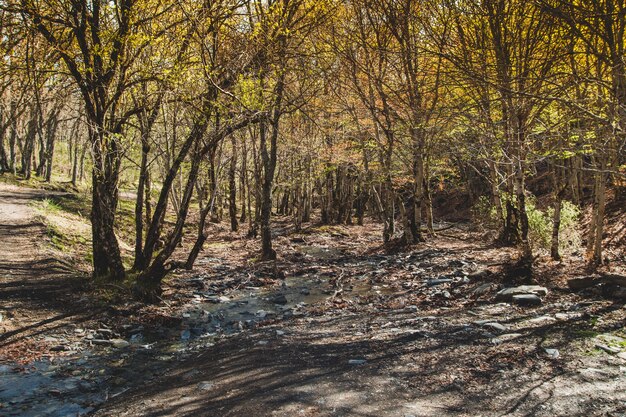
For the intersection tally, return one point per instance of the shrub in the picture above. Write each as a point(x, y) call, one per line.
point(539, 222)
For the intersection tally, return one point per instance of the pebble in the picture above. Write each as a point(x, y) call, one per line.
point(205, 385)
point(357, 362)
point(553, 353)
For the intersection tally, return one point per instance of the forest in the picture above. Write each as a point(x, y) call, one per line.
point(393, 206)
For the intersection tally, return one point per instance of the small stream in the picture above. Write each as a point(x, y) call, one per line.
point(75, 384)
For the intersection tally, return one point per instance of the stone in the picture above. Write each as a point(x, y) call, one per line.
point(482, 289)
point(542, 319)
point(434, 282)
point(527, 300)
point(611, 339)
point(622, 355)
point(357, 362)
point(261, 314)
point(509, 336)
point(223, 299)
point(553, 353)
point(579, 283)
point(305, 291)
point(508, 293)
point(205, 386)
point(608, 349)
point(279, 299)
point(495, 326)
point(119, 343)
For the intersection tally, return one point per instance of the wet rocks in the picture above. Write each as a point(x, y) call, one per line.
point(279, 299)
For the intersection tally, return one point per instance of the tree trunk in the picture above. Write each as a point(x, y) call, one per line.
point(232, 185)
point(594, 240)
point(556, 219)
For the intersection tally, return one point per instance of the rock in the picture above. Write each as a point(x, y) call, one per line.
point(611, 339)
point(527, 300)
point(542, 319)
point(357, 362)
point(279, 299)
point(509, 336)
point(508, 293)
point(280, 333)
point(305, 291)
point(608, 349)
point(553, 353)
point(622, 355)
point(119, 343)
point(434, 282)
point(495, 326)
point(223, 299)
point(261, 314)
point(580, 283)
point(185, 335)
point(482, 289)
point(205, 386)
point(57, 348)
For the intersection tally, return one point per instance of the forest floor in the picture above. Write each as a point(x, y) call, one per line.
point(339, 326)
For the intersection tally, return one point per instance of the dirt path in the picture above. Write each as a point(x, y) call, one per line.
point(34, 285)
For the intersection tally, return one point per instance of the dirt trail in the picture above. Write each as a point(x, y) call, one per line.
point(34, 284)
